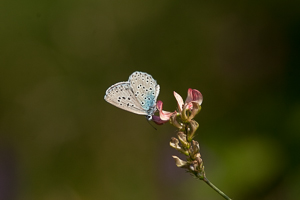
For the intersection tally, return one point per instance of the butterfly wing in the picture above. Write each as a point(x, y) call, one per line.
point(122, 96)
point(145, 89)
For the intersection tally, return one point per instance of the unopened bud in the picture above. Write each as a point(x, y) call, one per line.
point(199, 160)
point(183, 113)
point(192, 127)
point(194, 165)
point(175, 143)
point(197, 155)
point(182, 139)
point(174, 122)
point(179, 162)
point(196, 109)
point(196, 147)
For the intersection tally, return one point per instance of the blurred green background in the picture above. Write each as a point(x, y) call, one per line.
point(59, 140)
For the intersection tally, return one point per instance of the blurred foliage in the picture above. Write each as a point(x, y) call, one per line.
point(60, 140)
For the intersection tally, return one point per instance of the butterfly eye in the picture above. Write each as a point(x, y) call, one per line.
point(149, 117)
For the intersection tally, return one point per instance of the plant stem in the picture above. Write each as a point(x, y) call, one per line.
point(215, 188)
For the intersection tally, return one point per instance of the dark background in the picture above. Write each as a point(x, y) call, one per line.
point(59, 140)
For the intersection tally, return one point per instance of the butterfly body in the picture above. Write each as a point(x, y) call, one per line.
point(137, 95)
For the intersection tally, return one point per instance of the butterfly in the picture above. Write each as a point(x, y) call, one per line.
point(137, 95)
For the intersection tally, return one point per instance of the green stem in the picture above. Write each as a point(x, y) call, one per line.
point(215, 188)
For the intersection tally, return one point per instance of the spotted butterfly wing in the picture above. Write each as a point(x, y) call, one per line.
point(137, 95)
point(121, 96)
point(145, 90)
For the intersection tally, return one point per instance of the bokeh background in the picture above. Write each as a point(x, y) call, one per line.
point(59, 140)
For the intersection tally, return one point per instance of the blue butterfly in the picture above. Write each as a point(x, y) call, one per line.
point(137, 95)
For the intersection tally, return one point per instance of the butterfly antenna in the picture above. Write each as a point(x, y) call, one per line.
point(151, 125)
